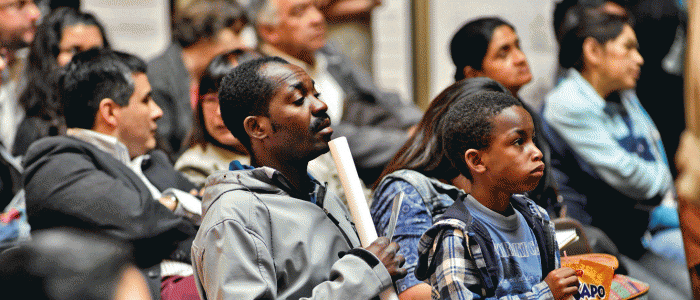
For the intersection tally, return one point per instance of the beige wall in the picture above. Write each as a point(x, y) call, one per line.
point(139, 27)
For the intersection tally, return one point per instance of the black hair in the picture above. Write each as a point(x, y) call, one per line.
point(561, 8)
point(470, 44)
point(205, 18)
point(39, 97)
point(92, 76)
point(244, 92)
point(62, 264)
point(424, 151)
point(581, 22)
point(219, 67)
point(468, 125)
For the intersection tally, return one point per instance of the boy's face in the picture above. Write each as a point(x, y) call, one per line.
point(513, 162)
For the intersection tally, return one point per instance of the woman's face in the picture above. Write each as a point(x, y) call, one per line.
point(504, 62)
point(620, 61)
point(213, 123)
point(77, 38)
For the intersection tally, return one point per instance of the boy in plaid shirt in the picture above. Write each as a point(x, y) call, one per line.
point(493, 242)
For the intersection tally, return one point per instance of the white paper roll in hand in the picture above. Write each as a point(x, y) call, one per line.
point(356, 198)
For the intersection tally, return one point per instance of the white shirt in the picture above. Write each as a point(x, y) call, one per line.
point(11, 112)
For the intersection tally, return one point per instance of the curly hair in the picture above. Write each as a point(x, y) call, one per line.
point(467, 125)
point(244, 92)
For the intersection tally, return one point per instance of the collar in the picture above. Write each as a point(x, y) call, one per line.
point(627, 97)
point(589, 94)
point(106, 143)
point(16, 64)
point(315, 195)
point(321, 62)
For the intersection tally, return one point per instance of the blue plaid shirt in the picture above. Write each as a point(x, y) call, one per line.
point(457, 274)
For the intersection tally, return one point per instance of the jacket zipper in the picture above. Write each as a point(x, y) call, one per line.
point(337, 224)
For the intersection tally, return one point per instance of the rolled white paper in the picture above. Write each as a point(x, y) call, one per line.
point(356, 198)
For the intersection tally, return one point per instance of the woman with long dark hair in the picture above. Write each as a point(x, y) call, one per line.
point(210, 145)
point(61, 35)
point(429, 182)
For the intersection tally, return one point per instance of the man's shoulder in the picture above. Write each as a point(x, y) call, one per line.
point(49, 146)
point(237, 194)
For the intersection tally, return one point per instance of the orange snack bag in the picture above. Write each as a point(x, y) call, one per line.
point(595, 273)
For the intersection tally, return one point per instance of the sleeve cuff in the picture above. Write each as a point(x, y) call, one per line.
point(379, 269)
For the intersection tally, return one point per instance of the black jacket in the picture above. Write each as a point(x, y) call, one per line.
point(72, 183)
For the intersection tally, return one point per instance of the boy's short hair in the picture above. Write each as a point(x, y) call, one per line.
point(92, 76)
point(246, 92)
point(467, 125)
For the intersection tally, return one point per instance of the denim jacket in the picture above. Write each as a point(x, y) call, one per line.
point(425, 199)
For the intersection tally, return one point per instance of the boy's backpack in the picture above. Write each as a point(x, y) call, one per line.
point(480, 245)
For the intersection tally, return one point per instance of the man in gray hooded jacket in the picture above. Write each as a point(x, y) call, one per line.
point(272, 232)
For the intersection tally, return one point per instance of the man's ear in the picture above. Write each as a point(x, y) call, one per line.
point(108, 113)
point(592, 51)
point(470, 72)
point(473, 159)
point(257, 127)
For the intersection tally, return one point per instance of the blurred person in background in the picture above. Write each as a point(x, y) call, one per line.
point(18, 25)
point(63, 264)
point(612, 167)
point(62, 34)
point(17, 28)
point(349, 28)
point(211, 146)
point(202, 30)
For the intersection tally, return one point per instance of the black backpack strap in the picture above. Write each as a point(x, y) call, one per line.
point(478, 244)
point(542, 230)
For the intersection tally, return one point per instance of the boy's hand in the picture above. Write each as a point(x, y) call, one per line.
point(562, 282)
point(387, 254)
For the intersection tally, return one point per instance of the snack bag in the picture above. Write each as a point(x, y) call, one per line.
point(595, 273)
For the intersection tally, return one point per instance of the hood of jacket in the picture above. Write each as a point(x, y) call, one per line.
point(263, 180)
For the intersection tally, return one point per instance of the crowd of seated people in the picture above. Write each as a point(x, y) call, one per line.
point(207, 170)
point(62, 34)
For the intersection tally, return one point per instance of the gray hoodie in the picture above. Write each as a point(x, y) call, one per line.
point(257, 241)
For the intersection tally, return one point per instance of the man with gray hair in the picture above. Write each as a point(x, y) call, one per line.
point(376, 123)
